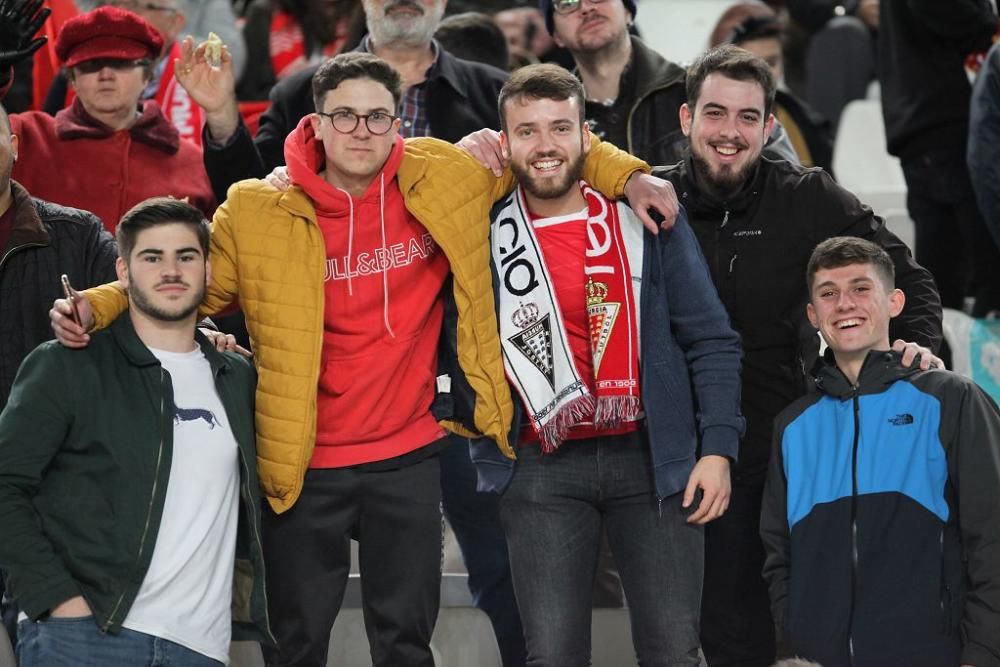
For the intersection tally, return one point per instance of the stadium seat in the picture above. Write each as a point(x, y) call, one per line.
point(864, 167)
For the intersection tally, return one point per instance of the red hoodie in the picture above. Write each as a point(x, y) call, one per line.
point(383, 314)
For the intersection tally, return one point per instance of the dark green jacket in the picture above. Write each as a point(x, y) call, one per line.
point(86, 442)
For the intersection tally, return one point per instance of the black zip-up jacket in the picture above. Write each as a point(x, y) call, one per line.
point(880, 519)
point(922, 45)
point(47, 240)
point(86, 443)
point(461, 98)
point(757, 245)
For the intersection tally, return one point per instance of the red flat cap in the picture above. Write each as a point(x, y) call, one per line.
point(107, 32)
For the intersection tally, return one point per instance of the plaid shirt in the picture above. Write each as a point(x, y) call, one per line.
point(413, 107)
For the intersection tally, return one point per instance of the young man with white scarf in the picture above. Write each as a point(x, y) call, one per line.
point(605, 330)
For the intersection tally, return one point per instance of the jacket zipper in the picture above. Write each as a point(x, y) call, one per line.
point(3, 260)
point(854, 527)
point(718, 246)
point(149, 510)
point(245, 492)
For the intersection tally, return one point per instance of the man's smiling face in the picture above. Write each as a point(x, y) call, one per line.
point(851, 306)
point(727, 129)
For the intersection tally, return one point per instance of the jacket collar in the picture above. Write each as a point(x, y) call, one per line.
point(151, 128)
point(445, 67)
point(28, 227)
point(652, 71)
point(880, 369)
point(138, 354)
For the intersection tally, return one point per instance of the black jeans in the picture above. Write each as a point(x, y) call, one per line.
point(396, 517)
point(736, 623)
point(554, 513)
point(952, 240)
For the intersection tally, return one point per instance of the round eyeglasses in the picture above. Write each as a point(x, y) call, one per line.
point(570, 6)
point(345, 122)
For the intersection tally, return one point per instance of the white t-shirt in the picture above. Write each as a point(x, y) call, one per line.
point(187, 592)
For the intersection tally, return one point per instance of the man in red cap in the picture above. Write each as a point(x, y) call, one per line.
point(108, 55)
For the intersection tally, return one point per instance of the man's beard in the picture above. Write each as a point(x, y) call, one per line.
point(727, 181)
point(548, 189)
point(144, 304)
point(386, 29)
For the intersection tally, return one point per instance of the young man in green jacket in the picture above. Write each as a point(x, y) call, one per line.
point(128, 487)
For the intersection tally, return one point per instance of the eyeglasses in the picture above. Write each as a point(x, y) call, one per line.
point(570, 6)
point(135, 6)
point(117, 64)
point(345, 122)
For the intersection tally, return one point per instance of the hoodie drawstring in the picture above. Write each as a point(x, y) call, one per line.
point(350, 239)
point(385, 272)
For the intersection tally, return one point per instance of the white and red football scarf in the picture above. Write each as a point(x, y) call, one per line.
point(536, 351)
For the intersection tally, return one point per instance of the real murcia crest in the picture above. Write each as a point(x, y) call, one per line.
point(534, 340)
point(603, 315)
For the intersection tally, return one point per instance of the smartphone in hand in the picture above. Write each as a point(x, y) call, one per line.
point(68, 291)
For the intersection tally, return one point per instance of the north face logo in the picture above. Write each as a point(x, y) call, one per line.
point(901, 420)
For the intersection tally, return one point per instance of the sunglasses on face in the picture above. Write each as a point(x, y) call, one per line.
point(117, 64)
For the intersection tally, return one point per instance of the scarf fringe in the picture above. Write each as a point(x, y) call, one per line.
point(611, 411)
point(554, 432)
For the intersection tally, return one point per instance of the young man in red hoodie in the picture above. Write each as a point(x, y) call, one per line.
point(347, 400)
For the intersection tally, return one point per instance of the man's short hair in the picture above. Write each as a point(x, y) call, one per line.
point(541, 82)
point(159, 211)
point(355, 65)
point(734, 63)
point(4, 120)
point(841, 251)
point(474, 36)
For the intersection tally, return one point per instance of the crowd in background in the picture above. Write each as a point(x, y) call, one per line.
point(205, 122)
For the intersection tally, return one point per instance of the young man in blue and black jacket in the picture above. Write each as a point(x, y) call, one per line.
point(880, 512)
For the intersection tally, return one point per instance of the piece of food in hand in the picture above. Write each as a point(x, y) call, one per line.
point(213, 49)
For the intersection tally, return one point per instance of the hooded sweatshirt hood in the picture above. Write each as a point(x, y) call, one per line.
point(382, 315)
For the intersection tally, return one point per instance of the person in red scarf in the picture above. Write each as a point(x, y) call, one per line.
point(628, 372)
point(108, 151)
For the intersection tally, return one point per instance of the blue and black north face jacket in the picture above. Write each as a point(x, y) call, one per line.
point(881, 519)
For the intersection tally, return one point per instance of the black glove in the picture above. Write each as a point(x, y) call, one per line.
point(19, 21)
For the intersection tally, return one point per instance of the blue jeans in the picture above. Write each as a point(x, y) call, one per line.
point(553, 514)
point(77, 642)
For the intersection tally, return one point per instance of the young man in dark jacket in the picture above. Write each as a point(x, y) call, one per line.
point(880, 514)
point(757, 220)
point(128, 487)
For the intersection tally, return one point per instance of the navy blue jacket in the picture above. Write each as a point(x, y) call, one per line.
point(881, 519)
point(984, 141)
point(689, 372)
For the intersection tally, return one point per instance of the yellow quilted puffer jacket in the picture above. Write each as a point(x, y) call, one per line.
point(268, 249)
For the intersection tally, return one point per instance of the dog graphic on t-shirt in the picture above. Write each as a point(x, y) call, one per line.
point(194, 414)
